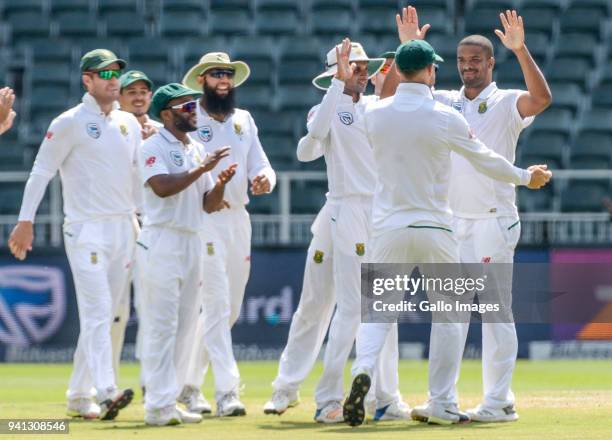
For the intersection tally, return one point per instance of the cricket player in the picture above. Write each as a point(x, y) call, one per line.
point(486, 221)
point(177, 188)
point(135, 97)
point(415, 225)
point(7, 114)
point(227, 234)
point(93, 145)
point(311, 320)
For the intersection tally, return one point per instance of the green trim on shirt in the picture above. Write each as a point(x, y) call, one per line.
point(513, 225)
point(430, 227)
point(142, 245)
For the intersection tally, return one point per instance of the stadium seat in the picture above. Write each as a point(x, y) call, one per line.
point(539, 19)
point(539, 46)
point(294, 97)
point(569, 70)
point(278, 5)
point(55, 73)
point(265, 204)
point(601, 6)
point(21, 6)
point(64, 6)
point(254, 96)
point(281, 22)
point(301, 48)
point(581, 20)
point(584, 196)
point(597, 121)
point(445, 45)
point(258, 53)
point(113, 6)
point(29, 26)
point(482, 21)
point(602, 96)
point(149, 49)
point(77, 25)
point(280, 149)
point(181, 24)
point(508, 72)
point(275, 123)
point(567, 96)
point(583, 46)
point(124, 25)
point(534, 201)
point(298, 71)
point(157, 72)
point(308, 197)
point(377, 20)
point(543, 147)
point(193, 49)
point(500, 5)
point(552, 5)
point(591, 151)
point(112, 44)
point(554, 120)
point(10, 197)
point(437, 18)
point(192, 6)
point(439, 4)
point(229, 22)
point(331, 22)
point(389, 4)
point(49, 98)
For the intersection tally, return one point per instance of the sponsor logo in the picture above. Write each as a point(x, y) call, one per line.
point(177, 158)
point(210, 248)
point(32, 303)
point(49, 135)
point(482, 108)
point(94, 258)
point(273, 310)
point(150, 161)
point(238, 129)
point(93, 130)
point(360, 249)
point(205, 133)
point(346, 118)
point(318, 257)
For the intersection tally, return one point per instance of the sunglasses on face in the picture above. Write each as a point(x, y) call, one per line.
point(108, 74)
point(186, 107)
point(436, 67)
point(218, 74)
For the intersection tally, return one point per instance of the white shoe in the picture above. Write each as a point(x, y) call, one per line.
point(112, 400)
point(439, 414)
point(165, 416)
point(188, 417)
point(330, 413)
point(492, 415)
point(83, 407)
point(229, 405)
point(281, 400)
point(398, 410)
point(194, 400)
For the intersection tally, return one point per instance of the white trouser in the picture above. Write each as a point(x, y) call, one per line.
point(120, 321)
point(227, 263)
point(100, 254)
point(414, 245)
point(170, 266)
point(493, 240)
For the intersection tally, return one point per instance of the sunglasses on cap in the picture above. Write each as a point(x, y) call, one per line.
point(107, 74)
point(186, 107)
point(220, 73)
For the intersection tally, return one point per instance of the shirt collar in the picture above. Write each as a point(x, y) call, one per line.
point(91, 103)
point(482, 96)
point(169, 137)
point(411, 88)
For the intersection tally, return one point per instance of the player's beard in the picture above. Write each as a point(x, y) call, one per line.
point(184, 125)
point(216, 104)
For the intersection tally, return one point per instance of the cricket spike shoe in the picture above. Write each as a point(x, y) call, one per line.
point(354, 409)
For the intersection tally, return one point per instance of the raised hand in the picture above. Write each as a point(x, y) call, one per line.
point(211, 160)
point(513, 36)
point(227, 174)
point(7, 98)
point(408, 25)
point(260, 185)
point(540, 175)
point(8, 122)
point(345, 69)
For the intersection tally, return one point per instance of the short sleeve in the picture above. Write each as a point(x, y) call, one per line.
point(152, 161)
point(519, 122)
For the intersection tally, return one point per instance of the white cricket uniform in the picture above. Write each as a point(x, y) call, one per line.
point(486, 221)
point(413, 137)
point(95, 154)
point(336, 131)
point(227, 247)
point(122, 317)
point(169, 253)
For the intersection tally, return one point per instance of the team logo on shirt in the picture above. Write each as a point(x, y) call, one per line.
point(346, 118)
point(457, 105)
point(205, 133)
point(93, 130)
point(360, 249)
point(210, 248)
point(124, 130)
point(318, 257)
point(482, 107)
point(238, 129)
point(94, 258)
point(177, 158)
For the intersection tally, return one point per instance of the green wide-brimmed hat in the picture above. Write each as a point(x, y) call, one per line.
point(167, 93)
point(99, 59)
point(216, 60)
point(132, 76)
point(323, 81)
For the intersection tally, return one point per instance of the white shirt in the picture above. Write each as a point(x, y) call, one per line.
point(162, 153)
point(337, 130)
point(239, 132)
point(413, 136)
point(96, 157)
point(495, 119)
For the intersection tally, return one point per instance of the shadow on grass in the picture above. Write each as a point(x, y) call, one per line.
point(370, 427)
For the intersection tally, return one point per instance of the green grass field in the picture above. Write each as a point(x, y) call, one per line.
point(556, 399)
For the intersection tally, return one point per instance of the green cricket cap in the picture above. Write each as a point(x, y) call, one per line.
point(99, 59)
point(415, 55)
point(131, 76)
point(167, 93)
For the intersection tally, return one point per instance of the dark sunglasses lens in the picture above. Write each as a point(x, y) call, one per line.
point(221, 73)
point(188, 107)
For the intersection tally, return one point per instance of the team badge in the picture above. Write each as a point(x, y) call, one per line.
point(238, 129)
point(205, 133)
point(482, 107)
point(318, 257)
point(124, 130)
point(93, 130)
point(346, 118)
point(360, 249)
point(94, 258)
point(177, 158)
point(210, 248)
point(457, 105)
